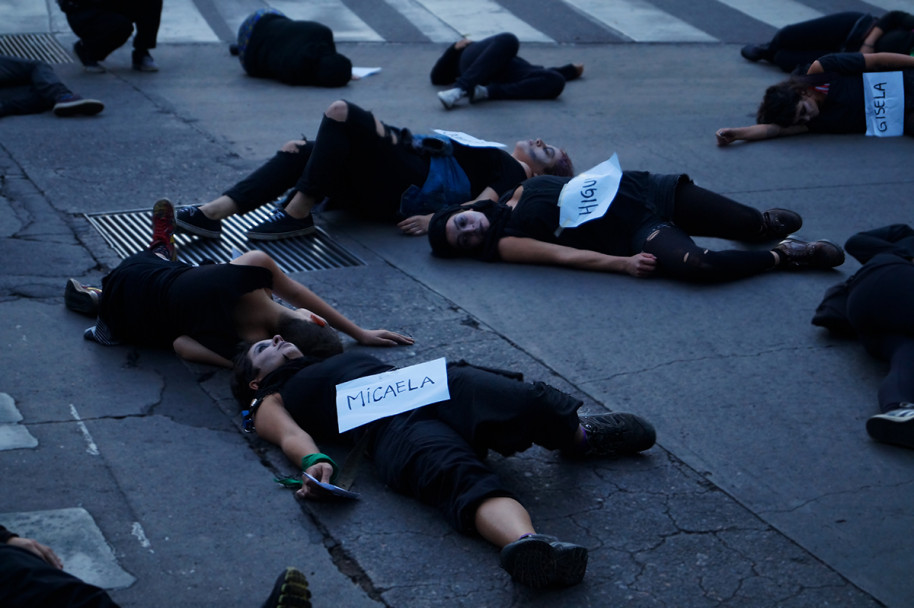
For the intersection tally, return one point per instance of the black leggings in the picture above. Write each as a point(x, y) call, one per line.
point(700, 212)
point(802, 43)
point(348, 162)
point(493, 62)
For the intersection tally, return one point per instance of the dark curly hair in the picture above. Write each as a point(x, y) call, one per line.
point(562, 167)
point(779, 105)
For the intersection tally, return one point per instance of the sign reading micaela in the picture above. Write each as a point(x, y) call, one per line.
point(371, 398)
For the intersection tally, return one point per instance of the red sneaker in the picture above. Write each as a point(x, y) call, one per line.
point(163, 229)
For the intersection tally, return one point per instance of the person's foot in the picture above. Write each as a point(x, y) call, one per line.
point(194, 221)
point(480, 93)
point(100, 334)
point(143, 62)
point(539, 560)
point(281, 226)
point(72, 104)
point(754, 52)
point(615, 434)
point(289, 591)
point(89, 64)
point(895, 426)
point(451, 97)
point(794, 253)
point(779, 223)
point(163, 230)
point(82, 298)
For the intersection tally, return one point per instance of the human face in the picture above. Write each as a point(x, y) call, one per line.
point(267, 355)
point(467, 229)
point(807, 109)
point(538, 155)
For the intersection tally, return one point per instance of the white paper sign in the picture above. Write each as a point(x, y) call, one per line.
point(469, 140)
point(884, 98)
point(589, 195)
point(371, 398)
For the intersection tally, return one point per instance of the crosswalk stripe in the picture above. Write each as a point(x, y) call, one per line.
point(774, 12)
point(434, 28)
point(182, 22)
point(478, 19)
point(641, 21)
point(346, 25)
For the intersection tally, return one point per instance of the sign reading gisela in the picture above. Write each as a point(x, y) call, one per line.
point(371, 398)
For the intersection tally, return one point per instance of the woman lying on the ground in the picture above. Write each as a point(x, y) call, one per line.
point(876, 305)
point(829, 98)
point(204, 311)
point(270, 45)
point(434, 453)
point(366, 166)
point(647, 228)
point(798, 45)
point(491, 69)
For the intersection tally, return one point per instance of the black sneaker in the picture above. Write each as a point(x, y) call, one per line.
point(616, 434)
point(755, 52)
point(540, 560)
point(895, 426)
point(89, 64)
point(282, 226)
point(82, 298)
point(289, 591)
point(143, 62)
point(192, 220)
point(795, 254)
point(72, 104)
point(779, 223)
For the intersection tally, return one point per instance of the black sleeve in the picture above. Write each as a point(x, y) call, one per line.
point(895, 239)
point(896, 20)
point(843, 63)
point(446, 68)
point(6, 535)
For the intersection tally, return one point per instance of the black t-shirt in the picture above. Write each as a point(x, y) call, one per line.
point(489, 168)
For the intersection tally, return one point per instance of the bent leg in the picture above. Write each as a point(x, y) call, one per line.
point(531, 83)
point(679, 257)
point(701, 212)
point(101, 31)
point(483, 61)
point(266, 183)
point(147, 14)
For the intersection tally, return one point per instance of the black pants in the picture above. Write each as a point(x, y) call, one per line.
point(880, 306)
point(493, 62)
point(435, 453)
point(102, 30)
point(348, 162)
point(44, 87)
point(700, 212)
point(27, 581)
point(802, 43)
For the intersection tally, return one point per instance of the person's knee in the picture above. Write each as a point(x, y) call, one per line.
point(255, 257)
point(509, 41)
point(338, 110)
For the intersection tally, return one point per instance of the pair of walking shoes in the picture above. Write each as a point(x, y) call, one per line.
point(280, 225)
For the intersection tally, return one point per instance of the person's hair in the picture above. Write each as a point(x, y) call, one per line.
point(314, 341)
point(437, 233)
point(562, 167)
point(319, 341)
point(779, 105)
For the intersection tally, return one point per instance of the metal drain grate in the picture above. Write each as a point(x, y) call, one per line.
point(128, 232)
point(43, 47)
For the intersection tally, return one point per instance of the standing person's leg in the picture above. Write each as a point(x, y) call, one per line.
point(264, 184)
point(146, 14)
point(100, 33)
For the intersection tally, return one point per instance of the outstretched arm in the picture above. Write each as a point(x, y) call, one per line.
point(273, 423)
point(728, 135)
point(191, 350)
point(417, 225)
point(884, 62)
point(530, 251)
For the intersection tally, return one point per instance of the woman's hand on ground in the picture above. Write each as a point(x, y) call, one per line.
point(641, 265)
point(725, 136)
point(415, 225)
point(42, 551)
point(383, 337)
point(322, 472)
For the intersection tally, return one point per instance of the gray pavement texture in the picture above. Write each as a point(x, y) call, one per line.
point(764, 489)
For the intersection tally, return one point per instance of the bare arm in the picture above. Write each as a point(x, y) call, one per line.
point(530, 251)
point(191, 350)
point(417, 225)
point(885, 62)
point(728, 135)
point(869, 43)
point(273, 423)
